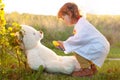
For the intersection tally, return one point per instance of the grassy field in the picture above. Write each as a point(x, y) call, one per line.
point(114, 52)
point(109, 71)
point(55, 29)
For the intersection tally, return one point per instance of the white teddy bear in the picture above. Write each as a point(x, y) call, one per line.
point(38, 54)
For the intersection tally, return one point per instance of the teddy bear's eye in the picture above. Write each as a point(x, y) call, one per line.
point(33, 33)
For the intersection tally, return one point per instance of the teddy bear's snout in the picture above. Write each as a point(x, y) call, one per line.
point(41, 32)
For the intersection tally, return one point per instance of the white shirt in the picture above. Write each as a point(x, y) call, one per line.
point(88, 42)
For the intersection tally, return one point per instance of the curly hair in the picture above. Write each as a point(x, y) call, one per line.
point(70, 9)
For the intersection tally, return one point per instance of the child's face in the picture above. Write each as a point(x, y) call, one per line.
point(67, 19)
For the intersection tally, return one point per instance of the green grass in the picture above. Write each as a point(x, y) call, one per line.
point(11, 71)
point(109, 71)
point(114, 52)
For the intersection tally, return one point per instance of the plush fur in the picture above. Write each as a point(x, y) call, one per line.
point(38, 54)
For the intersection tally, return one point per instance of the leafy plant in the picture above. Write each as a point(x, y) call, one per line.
point(10, 50)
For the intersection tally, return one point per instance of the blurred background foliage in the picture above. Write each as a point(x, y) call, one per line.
point(55, 29)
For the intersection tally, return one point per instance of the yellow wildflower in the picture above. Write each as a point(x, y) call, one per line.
point(10, 29)
point(55, 43)
point(12, 34)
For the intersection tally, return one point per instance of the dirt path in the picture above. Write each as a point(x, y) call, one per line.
point(113, 58)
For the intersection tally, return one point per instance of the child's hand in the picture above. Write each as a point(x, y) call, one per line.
point(58, 44)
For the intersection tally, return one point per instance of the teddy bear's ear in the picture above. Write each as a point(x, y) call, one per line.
point(19, 37)
point(41, 32)
point(21, 34)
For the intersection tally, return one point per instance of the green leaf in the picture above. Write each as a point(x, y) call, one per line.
point(40, 70)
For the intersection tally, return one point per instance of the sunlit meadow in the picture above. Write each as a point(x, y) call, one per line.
point(13, 68)
point(55, 29)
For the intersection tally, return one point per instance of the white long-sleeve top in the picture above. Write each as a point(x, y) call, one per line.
point(88, 42)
